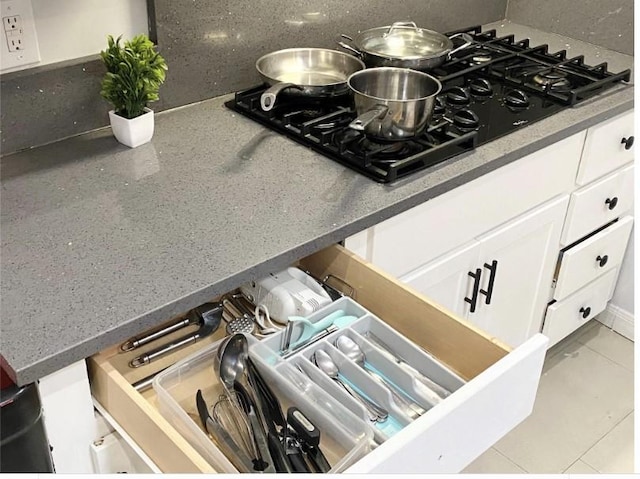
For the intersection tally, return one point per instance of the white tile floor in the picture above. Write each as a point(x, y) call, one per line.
point(582, 421)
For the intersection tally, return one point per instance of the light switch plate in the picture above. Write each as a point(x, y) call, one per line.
point(19, 39)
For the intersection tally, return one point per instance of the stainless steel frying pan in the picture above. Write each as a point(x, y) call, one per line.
point(315, 72)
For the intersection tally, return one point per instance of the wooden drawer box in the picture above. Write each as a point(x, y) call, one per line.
point(597, 204)
point(592, 257)
point(499, 394)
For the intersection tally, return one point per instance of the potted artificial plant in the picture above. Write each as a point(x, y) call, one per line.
point(135, 71)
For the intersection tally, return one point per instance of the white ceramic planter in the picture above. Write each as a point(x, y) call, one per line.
point(133, 132)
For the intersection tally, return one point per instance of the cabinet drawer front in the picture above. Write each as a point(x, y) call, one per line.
point(567, 315)
point(421, 234)
point(457, 430)
point(594, 256)
point(597, 204)
point(604, 149)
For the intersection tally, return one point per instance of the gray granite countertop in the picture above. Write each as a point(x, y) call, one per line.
point(100, 242)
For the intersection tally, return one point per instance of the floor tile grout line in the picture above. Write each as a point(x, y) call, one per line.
point(581, 458)
point(510, 460)
point(607, 357)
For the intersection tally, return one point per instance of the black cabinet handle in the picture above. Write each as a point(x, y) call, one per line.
point(611, 202)
point(602, 260)
point(585, 312)
point(473, 301)
point(493, 267)
point(627, 142)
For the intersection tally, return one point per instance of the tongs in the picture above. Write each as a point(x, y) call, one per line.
point(208, 316)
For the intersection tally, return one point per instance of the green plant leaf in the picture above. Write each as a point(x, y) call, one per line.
point(135, 72)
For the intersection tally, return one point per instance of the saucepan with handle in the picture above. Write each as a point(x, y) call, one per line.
point(311, 72)
point(404, 45)
point(393, 104)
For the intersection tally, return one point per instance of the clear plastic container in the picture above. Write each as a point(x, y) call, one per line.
point(344, 437)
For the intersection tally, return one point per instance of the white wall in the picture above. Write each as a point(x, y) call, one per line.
point(624, 293)
point(70, 29)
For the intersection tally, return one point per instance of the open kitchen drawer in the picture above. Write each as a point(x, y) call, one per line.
point(499, 394)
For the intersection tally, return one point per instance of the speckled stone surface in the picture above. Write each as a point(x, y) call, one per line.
point(100, 242)
point(607, 23)
point(213, 46)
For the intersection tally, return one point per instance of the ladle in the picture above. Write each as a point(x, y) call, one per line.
point(351, 349)
point(326, 365)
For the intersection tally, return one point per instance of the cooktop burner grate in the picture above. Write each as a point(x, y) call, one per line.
point(494, 87)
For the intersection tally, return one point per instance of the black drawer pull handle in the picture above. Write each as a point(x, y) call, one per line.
point(627, 142)
point(611, 202)
point(585, 312)
point(493, 268)
point(602, 260)
point(473, 301)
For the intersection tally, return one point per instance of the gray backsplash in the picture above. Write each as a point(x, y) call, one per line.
point(210, 47)
point(608, 23)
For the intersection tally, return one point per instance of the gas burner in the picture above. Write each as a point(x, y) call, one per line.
point(554, 79)
point(481, 57)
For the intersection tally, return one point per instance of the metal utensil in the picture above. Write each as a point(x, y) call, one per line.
point(433, 391)
point(232, 370)
point(315, 72)
point(222, 437)
point(326, 365)
point(208, 315)
point(351, 349)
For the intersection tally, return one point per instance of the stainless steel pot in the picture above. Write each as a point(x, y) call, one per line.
point(404, 45)
point(393, 103)
point(306, 71)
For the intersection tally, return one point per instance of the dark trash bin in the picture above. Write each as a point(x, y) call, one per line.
point(24, 446)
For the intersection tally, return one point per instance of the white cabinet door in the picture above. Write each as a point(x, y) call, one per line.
point(518, 262)
point(449, 279)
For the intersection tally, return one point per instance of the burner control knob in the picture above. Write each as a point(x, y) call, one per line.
point(458, 96)
point(481, 87)
point(466, 120)
point(438, 106)
point(516, 99)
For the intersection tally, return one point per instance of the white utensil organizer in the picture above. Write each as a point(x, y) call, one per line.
point(347, 432)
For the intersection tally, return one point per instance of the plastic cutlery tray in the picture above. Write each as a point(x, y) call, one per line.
point(346, 430)
point(344, 437)
point(350, 372)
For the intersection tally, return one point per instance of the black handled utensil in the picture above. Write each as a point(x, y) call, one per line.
point(309, 436)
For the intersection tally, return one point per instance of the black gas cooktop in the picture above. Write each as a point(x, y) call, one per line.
point(493, 87)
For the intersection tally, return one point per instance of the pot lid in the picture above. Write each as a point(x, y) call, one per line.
point(402, 41)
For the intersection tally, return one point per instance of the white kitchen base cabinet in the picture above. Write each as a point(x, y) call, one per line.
point(499, 393)
point(500, 282)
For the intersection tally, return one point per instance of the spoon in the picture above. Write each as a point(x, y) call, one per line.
point(326, 365)
point(351, 349)
point(233, 372)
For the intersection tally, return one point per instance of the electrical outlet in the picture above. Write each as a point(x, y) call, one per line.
point(21, 42)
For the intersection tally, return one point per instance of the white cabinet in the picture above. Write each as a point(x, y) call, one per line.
point(426, 232)
point(607, 147)
point(448, 280)
point(501, 281)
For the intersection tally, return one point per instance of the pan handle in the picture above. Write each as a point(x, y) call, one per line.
point(268, 98)
point(356, 52)
point(468, 40)
point(367, 117)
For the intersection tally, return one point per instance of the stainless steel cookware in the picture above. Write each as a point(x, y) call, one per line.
point(403, 45)
point(393, 103)
point(306, 71)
